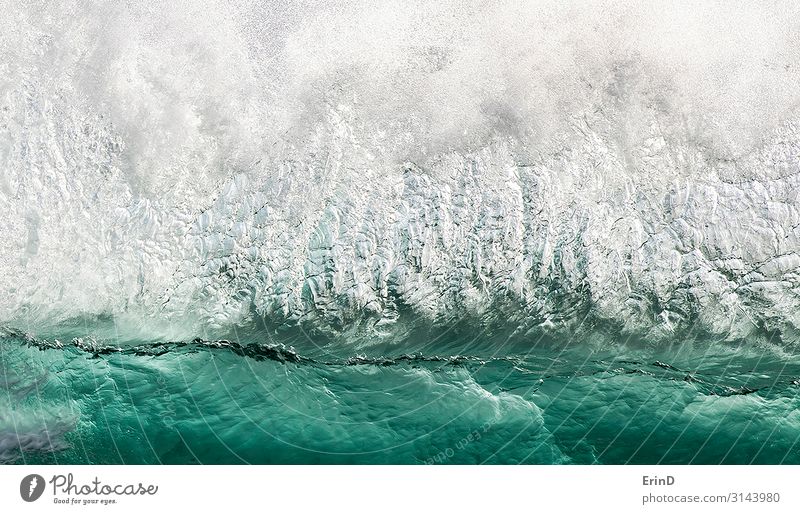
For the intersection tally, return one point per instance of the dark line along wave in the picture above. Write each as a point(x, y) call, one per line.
point(288, 355)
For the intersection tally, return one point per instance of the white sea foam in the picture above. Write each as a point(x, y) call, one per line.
point(183, 168)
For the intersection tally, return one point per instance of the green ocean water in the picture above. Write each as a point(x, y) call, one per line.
point(451, 219)
point(429, 401)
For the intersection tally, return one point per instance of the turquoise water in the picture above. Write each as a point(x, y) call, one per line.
point(450, 218)
point(430, 402)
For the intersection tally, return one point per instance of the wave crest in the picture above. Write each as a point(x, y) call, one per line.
point(184, 170)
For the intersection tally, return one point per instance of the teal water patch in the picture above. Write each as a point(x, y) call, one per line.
point(223, 402)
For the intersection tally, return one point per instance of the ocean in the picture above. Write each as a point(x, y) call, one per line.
point(255, 231)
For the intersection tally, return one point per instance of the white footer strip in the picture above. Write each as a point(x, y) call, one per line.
point(401, 489)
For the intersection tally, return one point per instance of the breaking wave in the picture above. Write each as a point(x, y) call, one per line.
point(399, 232)
point(179, 171)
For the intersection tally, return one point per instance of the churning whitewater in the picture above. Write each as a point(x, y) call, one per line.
point(399, 232)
